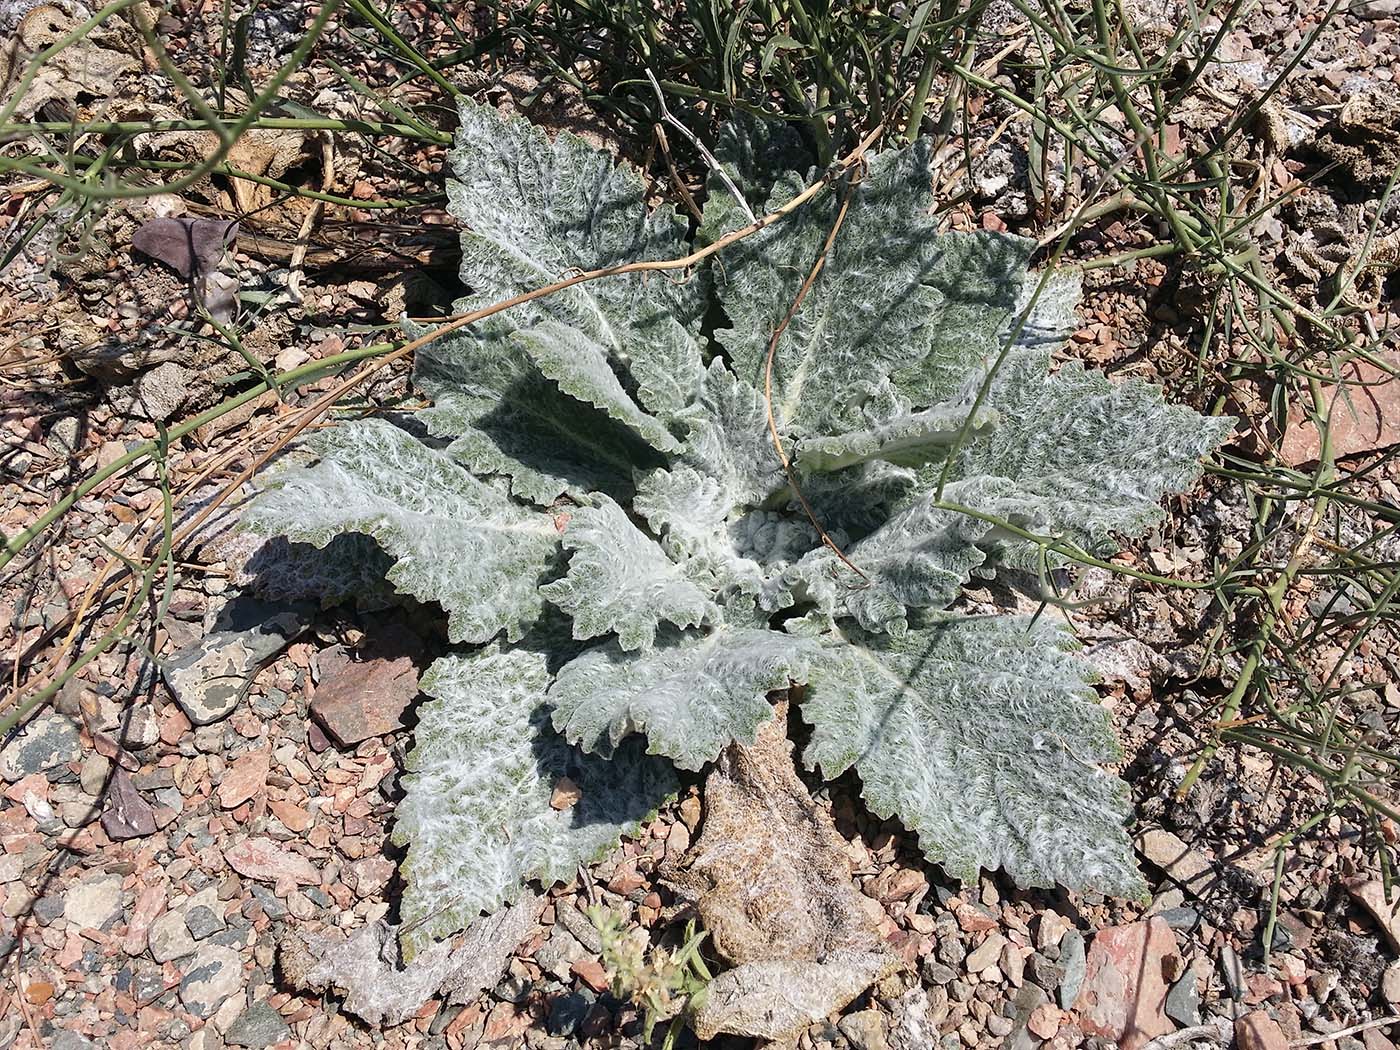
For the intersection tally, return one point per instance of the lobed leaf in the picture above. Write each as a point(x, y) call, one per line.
point(425, 511)
point(476, 815)
point(691, 695)
point(620, 580)
point(983, 736)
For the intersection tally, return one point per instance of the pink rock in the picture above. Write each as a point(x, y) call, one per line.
point(150, 903)
point(244, 779)
point(359, 699)
point(266, 861)
point(1128, 972)
point(1364, 414)
point(1371, 895)
point(1258, 1031)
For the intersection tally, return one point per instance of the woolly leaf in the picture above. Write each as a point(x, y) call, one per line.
point(503, 417)
point(982, 735)
point(539, 210)
point(476, 815)
point(863, 316)
point(620, 580)
point(425, 511)
point(691, 695)
point(909, 438)
point(918, 559)
point(1078, 455)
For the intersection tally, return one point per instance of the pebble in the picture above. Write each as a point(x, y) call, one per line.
point(169, 938)
point(1125, 984)
point(1233, 971)
point(1390, 984)
point(1183, 1001)
point(204, 913)
point(864, 1030)
point(259, 1026)
point(215, 975)
point(47, 742)
point(1072, 962)
point(1030, 998)
point(985, 954)
point(1258, 1031)
point(94, 902)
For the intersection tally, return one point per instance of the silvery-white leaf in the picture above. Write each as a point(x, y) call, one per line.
point(455, 540)
point(620, 580)
point(983, 736)
point(476, 815)
point(691, 695)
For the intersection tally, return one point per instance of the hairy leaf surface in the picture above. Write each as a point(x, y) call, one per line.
point(425, 511)
point(691, 695)
point(476, 816)
point(538, 210)
point(982, 735)
point(620, 580)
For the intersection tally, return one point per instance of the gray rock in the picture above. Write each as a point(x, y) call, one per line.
point(66, 1040)
point(48, 741)
point(258, 1026)
point(1233, 971)
point(169, 938)
point(1183, 1001)
point(566, 1013)
point(204, 913)
point(214, 976)
point(1072, 961)
point(49, 907)
point(580, 926)
point(1043, 972)
point(210, 677)
point(1027, 999)
point(559, 952)
point(92, 777)
point(1181, 918)
point(934, 972)
point(94, 902)
point(202, 921)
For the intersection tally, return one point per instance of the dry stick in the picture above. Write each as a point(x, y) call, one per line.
point(768, 382)
point(715, 166)
point(306, 416)
point(1318, 1040)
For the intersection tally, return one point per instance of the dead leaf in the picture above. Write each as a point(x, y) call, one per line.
point(190, 247)
point(776, 1000)
point(379, 988)
point(768, 874)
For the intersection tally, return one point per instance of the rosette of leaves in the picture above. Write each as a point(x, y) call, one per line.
point(595, 500)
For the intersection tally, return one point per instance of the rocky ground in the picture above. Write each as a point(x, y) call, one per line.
point(195, 838)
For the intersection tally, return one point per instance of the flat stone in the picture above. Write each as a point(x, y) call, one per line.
point(244, 779)
point(985, 954)
point(566, 1013)
point(214, 976)
point(266, 861)
point(1072, 963)
point(204, 913)
point(1180, 862)
point(1370, 894)
point(1233, 971)
point(66, 1040)
point(150, 902)
point(170, 938)
point(46, 742)
point(94, 902)
point(1258, 1031)
point(1183, 1001)
point(1356, 424)
point(209, 678)
point(128, 815)
point(366, 697)
point(258, 1026)
point(864, 1030)
point(1127, 975)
